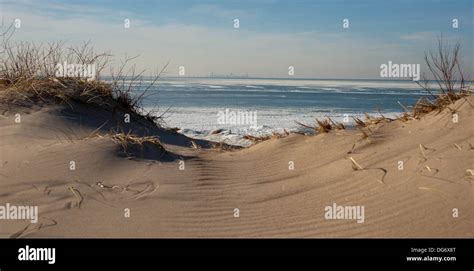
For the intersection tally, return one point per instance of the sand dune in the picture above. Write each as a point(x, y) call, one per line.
point(257, 183)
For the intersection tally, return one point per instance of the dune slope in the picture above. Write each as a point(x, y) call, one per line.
point(277, 188)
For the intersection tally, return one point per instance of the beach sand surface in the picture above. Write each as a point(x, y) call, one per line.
point(252, 192)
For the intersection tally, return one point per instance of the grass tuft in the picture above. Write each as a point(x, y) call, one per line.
point(323, 126)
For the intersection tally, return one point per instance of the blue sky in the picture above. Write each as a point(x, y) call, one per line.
point(273, 35)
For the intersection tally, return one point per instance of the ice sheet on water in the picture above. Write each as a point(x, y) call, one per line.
point(201, 123)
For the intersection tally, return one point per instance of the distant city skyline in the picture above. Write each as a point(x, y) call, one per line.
point(200, 37)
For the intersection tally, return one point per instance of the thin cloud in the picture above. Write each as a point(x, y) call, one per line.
point(420, 36)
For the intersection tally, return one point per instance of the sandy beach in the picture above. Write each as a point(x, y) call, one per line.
point(276, 188)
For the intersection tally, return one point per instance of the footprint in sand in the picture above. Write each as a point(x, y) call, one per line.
point(31, 228)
